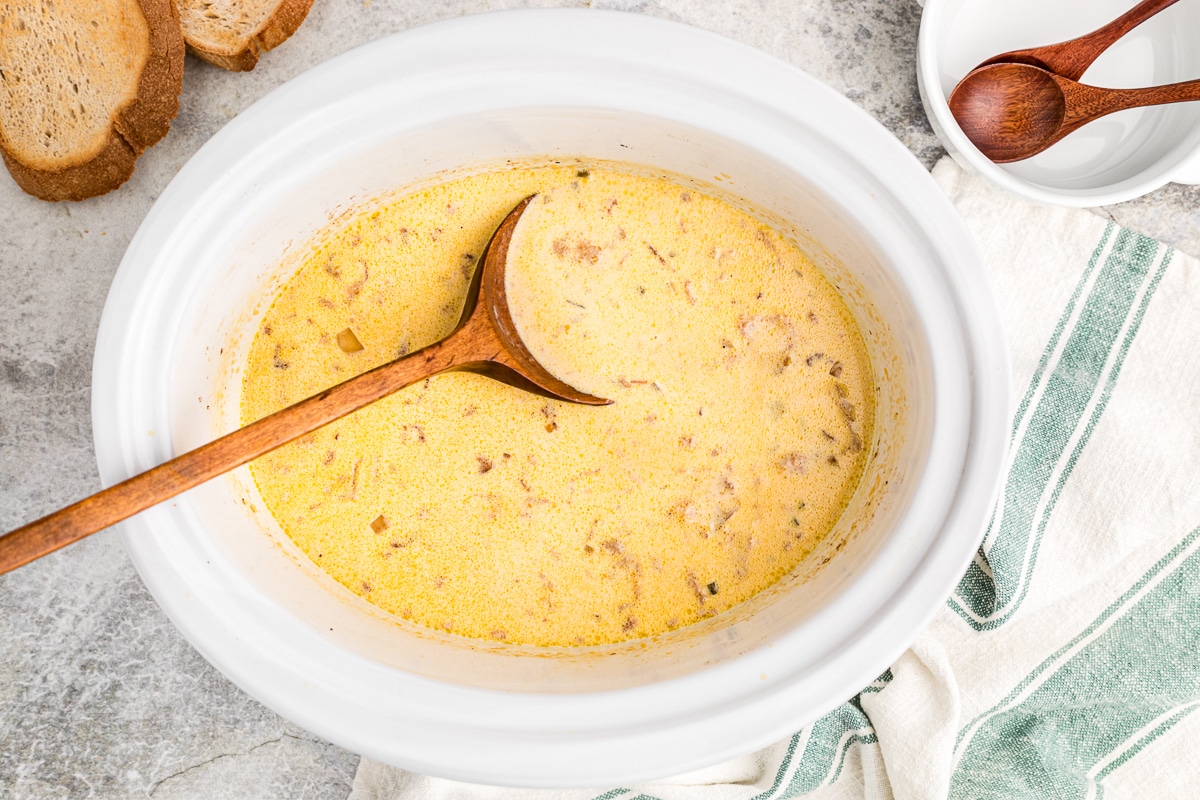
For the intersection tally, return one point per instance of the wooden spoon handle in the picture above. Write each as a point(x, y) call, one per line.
point(243, 445)
point(1072, 58)
point(1182, 92)
point(1086, 103)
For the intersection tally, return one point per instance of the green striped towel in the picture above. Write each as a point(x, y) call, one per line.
point(1067, 662)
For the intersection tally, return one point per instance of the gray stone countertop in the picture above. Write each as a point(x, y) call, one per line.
point(99, 695)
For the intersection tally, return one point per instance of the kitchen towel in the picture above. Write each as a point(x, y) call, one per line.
point(1066, 664)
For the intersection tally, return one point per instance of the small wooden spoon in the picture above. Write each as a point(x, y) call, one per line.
point(1072, 58)
point(1014, 111)
point(485, 341)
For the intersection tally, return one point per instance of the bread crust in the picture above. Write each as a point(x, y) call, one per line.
point(148, 118)
point(274, 31)
point(102, 173)
point(139, 124)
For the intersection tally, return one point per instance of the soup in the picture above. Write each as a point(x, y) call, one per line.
point(742, 414)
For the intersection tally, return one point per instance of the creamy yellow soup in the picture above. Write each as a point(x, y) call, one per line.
point(743, 407)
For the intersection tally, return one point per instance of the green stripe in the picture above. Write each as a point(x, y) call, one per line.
point(975, 583)
point(822, 748)
point(610, 794)
point(975, 579)
point(1095, 701)
point(1012, 551)
point(1101, 405)
point(824, 751)
point(869, 738)
point(1072, 460)
point(1048, 352)
point(1141, 743)
point(783, 767)
point(880, 683)
point(1112, 609)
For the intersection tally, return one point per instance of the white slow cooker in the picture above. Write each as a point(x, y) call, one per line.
point(575, 86)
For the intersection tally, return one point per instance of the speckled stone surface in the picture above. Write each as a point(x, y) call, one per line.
point(99, 695)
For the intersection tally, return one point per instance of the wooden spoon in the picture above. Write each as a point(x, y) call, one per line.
point(1072, 58)
point(485, 341)
point(1014, 111)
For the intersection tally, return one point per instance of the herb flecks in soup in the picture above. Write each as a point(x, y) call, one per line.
point(742, 417)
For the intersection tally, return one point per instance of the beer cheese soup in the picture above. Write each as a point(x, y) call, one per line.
point(742, 413)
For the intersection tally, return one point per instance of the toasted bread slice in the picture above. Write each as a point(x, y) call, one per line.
point(231, 33)
point(85, 87)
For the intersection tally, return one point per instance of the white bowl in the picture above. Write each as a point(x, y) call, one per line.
point(1115, 158)
point(520, 85)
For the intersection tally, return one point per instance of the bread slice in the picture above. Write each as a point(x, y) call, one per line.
point(231, 33)
point(85, 87)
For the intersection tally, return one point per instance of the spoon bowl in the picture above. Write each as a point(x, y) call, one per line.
point(1009, 111)
point(486, 329)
